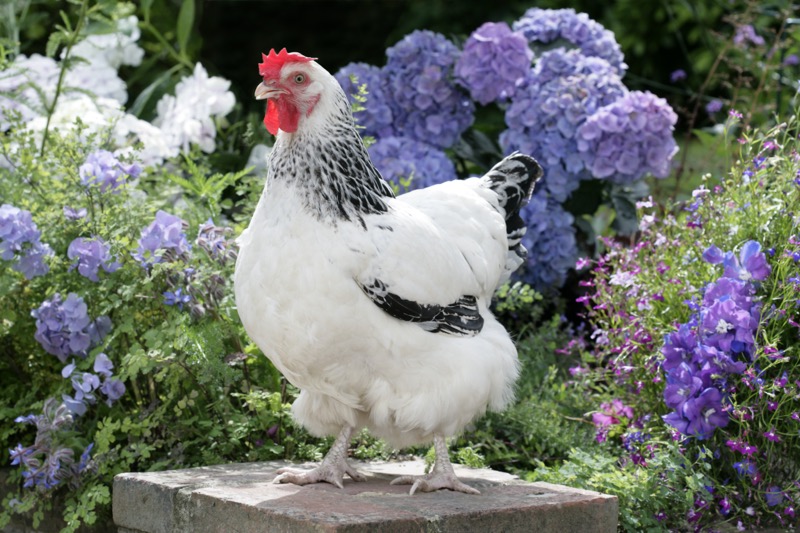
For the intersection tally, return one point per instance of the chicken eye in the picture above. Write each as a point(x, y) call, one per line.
point(299, 78)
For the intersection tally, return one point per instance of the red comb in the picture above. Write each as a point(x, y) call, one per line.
point(273, 63)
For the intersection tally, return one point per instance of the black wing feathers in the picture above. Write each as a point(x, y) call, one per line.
point(458, 318)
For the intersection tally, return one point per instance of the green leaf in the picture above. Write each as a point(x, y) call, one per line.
point(185, 24)
point(147, 94)
point(146, 9)
point(55, 40)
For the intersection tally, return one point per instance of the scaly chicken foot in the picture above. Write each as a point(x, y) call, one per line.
point(332, 469)
point(441, 477)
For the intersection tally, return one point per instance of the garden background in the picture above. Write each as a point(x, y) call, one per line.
point(656, 317)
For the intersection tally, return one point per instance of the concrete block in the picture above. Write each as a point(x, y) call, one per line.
point(241, 498)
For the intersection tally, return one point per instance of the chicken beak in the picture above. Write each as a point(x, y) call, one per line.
point(264, 91)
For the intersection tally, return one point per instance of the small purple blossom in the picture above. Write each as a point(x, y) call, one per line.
point(746, 35)
point(63, 327)
point(20, 242)
point(677, 75)
point(177, 298)
point(494, 62)
point(713, 106)
point(73, 214)
point(163, 240)
point(90, 255)
point(104, 170)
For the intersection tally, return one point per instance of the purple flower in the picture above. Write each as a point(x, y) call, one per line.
point(752, 264)
point(19, 455)
point(773, 496)
point(791, 60)
point(713, 106)
point(713, 255)
point(426, 103)
point(64, 328)
point(550, 244)
point(729, 327)
point(679, 347)
point(103, 365)
point(747, 34)
point(564, 89)
point(113, 389)
point(677, 75)
point(410, 164)
point(211, 238)
point(163, 240)
point(177, 298)
point(559, 27)
point(494, 62)
point(772, 435)
point(102, 169)
point(682, 384)
point(611, 414)
point(19, 242)
point(74, 214)
point(376, 118)
point(629, 138)
point(90, 255)
point(705, 413)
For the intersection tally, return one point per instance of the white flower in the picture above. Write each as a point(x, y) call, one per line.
point(113, 49)
point(623, 279)
point(723, 327)
point(27, 86)
point(189, 117)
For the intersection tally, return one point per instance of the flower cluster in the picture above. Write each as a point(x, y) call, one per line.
point(410, 164)
point(564, 89)
point(63, 327)
point(717, 342)
point(213, 239)
point(85, 384)
point(189, 117)
point(90, 255)
point(426, 103)
point(629, 138)
point(19, 242)
point(102, 169)
point(163, 240)
point(546, 26)
point(609, 416)
point(375, 115)
point(47, 464)
point(550, 241)
point(23, 84)
point(494, 62)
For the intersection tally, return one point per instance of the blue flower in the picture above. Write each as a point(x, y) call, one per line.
point(163, 240)
point(550, 242)
point(559, 27)
point(19, 242)
point(178, 297)
point(494, 62)
point(90, 255)
point(74, 214)
point(713, 106)
point(629, 138)
point(63, 327)
point(713, 255)
point(410, 164)
point(104, 170)
point(677, 75)
point(376, 118)
point(426, 103)
point(19, 455)
point(564, 89)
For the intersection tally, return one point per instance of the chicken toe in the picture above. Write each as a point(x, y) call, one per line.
point(332, 469)
point(441, 477)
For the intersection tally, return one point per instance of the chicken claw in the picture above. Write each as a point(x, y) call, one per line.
point(332, 470)
point(441, 477)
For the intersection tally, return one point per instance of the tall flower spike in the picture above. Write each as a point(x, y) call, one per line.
point(273, 63)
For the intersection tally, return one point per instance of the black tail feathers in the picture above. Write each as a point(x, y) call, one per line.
point(513, 180)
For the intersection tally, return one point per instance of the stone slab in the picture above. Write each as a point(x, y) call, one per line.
point(241, 498)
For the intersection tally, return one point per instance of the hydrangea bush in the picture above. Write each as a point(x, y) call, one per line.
point(556, 78)
point(695, 333)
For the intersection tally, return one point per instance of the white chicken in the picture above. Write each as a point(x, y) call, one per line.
point(376, 307)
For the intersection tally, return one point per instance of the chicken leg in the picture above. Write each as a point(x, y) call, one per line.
point(441, 477)
point(332, 469)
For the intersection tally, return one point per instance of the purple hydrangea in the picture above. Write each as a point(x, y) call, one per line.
point(550, 241)
point(561, 26)
point(400, 159)
point(565, 88)
point(163, 240)
point(63, 327)
point(629, 138)
point(376, 116)
point(20, 244)
point(104, 170)
point(494, 62)
point(426, 103)
point(90, 255)
point(717, 342)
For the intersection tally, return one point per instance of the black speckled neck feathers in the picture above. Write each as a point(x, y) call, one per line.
point(330, 168)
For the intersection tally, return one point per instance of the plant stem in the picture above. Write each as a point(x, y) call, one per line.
point(73, 38)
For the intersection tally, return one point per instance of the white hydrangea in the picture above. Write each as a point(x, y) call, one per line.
point(113, 49)
point(27, 86)
point(189, 117)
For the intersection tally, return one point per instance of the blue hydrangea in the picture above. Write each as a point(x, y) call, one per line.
point(426, 103)
point(629, 138)
point(20, 244)
point(401, 158)
point(163, 240)
point(550, 241)
point(494, 62)
point(376, 118)
point(564, 89)
point(64, 328)
point(90, 255)
point(557, 27)
point(104, 170)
